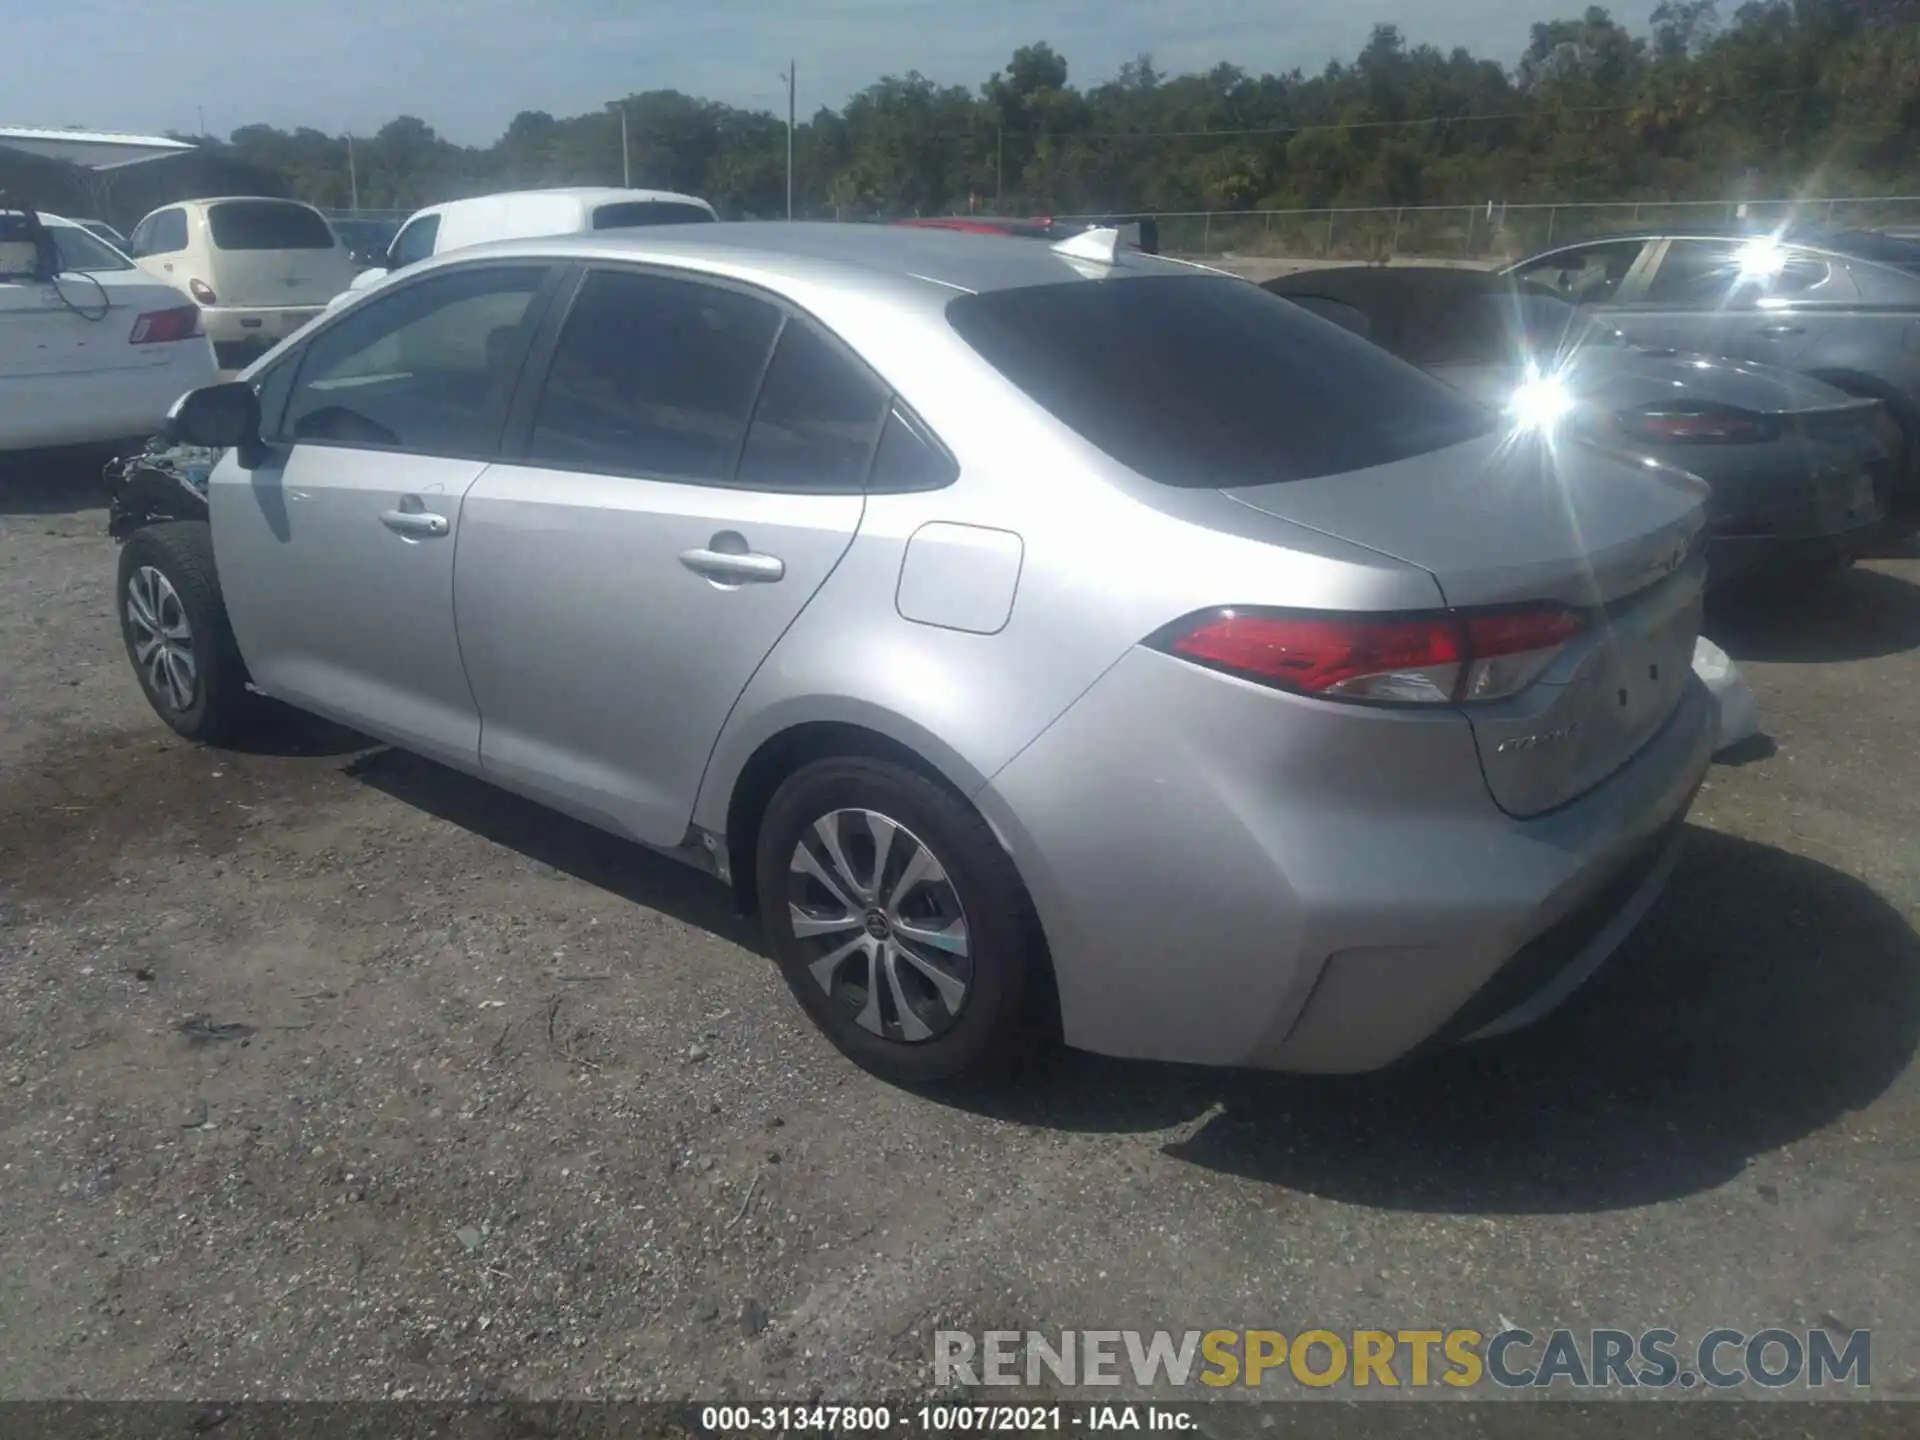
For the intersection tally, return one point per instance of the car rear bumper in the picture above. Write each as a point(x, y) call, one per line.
point(1328, 889)
point(1731, 556)
point(255, 326)
point(81, 409)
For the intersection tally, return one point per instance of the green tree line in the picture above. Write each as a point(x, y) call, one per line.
point(1779, 97)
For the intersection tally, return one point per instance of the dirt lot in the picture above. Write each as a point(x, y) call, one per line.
point(327, 1073)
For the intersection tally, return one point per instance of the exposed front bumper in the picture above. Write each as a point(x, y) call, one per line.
point(1325, 889)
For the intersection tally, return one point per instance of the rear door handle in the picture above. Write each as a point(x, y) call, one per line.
point(729, 568)
point(417, 523)
point(1780, 332)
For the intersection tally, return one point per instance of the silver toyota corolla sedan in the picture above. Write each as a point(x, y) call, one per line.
point(1042, 638)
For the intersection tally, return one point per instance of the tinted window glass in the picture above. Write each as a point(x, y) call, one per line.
point(653, 377)
point(1202, 381)
point(1347, 317)
point(817, 417)
point(82, 250)
point(415, 243)
point(427, 368)
point(161, 234)
point(268, 225)
point(626, 214)
point(909, 459)
point(1702, 272)
point(1588, 275)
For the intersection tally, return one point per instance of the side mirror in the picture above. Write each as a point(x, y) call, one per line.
point(219, 417)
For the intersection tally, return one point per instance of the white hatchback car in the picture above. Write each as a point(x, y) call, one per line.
point(259, 268)
point(97, 353)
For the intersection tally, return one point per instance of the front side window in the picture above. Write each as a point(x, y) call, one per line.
point(415, 243)
point(427, 369)
point(268, 225)
point(653, 377)
point(817, 418)
point(1586, 274)
point(1202, 382)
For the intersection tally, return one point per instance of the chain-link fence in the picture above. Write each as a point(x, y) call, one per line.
point(386, 217)
point(1492, 231)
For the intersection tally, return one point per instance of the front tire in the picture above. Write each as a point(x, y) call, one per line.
point(899, 923)
point(175, 628)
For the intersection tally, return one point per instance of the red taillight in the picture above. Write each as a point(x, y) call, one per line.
point(202, 292)
point(1703, 425)
point(1428, 659)
point(157, 327)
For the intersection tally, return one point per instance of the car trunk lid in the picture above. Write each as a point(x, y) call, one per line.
point(1510, 519)
point(88, 332)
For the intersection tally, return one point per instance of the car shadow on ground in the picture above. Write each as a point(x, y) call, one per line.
point(617, 866)
point(1861, 614)
point(276, 729)
point(1765, 997)
point(53, 482)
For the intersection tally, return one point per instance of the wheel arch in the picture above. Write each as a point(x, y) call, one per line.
point(745, 771)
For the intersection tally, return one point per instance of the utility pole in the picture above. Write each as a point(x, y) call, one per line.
point(788, 77)
point(201, 111)
point(353, 176)
point(619, 107)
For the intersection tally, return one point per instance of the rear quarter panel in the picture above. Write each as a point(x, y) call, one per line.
point(1106, 560)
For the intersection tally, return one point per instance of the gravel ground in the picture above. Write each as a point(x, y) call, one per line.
point(326, 1073)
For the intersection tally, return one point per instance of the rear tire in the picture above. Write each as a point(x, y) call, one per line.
point(175, 628)
point(900, 924)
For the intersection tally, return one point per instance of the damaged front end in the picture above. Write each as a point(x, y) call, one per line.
point(162, 482)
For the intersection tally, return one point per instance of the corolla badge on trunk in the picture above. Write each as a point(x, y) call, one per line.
point(1540, 741)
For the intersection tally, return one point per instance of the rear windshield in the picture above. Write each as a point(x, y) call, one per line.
point(268, 225)
point(1202, 381)
point(84, 251)
point(625, 214)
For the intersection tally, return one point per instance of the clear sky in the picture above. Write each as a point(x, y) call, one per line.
point(467, 66)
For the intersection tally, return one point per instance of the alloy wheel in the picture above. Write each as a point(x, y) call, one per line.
point(162, 638)
point(883, 925)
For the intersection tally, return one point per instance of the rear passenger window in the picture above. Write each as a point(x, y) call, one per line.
point(161, 234)
point(817, 419)
point(653, 377)
point(909, 458)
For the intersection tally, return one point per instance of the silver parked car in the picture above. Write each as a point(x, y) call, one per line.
point(1801, 473)
point(1846, 318)
point(1039, 636)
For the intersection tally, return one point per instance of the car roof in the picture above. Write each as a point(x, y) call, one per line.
point(229, 199)
point(584, 194)
point(777, 251)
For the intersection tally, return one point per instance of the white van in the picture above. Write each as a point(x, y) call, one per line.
point(524, 214)
point(258, 268)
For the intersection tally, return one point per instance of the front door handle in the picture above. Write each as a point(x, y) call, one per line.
point(734, 567)
point(1780, 332)
point(418, 523)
